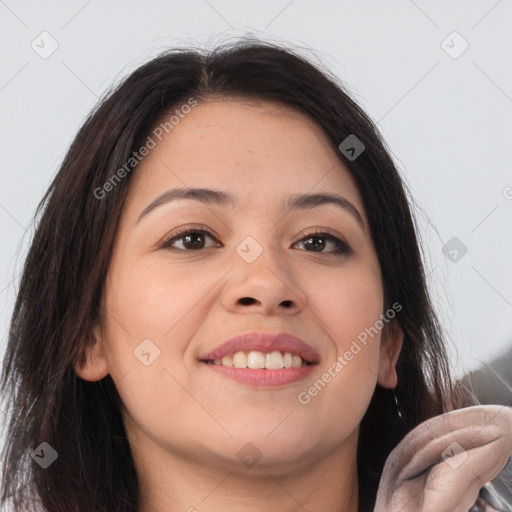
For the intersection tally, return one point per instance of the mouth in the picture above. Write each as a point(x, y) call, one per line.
point(262, 359)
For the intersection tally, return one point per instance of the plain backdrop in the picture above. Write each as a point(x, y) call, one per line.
point(435, 75)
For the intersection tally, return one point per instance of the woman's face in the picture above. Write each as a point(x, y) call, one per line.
point(251, 266)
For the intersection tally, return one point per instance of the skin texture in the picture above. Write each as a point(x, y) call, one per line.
point(185, 422)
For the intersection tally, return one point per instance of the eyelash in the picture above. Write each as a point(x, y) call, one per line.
point(342, 248)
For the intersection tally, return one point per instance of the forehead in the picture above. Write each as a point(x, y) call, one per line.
point(258, 151)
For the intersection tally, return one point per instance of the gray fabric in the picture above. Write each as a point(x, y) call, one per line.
point(491, 384)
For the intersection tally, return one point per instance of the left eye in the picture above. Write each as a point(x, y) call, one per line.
point(318, 241)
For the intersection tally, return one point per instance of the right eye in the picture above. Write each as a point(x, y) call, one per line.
point(190, 240)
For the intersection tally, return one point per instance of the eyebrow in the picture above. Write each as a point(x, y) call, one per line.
point(225, 199)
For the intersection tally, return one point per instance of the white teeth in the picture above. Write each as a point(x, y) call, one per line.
point(257, 360)
point(240, 360)
point(227, 361)
point(274, 361)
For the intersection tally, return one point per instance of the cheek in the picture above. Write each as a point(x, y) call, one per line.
point(147, 330)
point(349, 305)
point(149, 319)
point(152, 300)
point(349, 308)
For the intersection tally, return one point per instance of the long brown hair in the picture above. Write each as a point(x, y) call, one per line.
point(59, 296)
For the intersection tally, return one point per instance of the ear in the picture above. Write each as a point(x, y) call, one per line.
point(390, 347)
point(96, 365)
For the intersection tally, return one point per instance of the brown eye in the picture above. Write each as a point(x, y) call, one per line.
point(190, 240)
point(318, 241)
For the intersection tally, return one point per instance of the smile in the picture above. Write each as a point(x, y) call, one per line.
point(257, 360)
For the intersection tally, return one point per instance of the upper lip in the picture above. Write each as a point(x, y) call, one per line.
point(264, 342)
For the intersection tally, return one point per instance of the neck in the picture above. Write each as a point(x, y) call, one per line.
point(200, 482)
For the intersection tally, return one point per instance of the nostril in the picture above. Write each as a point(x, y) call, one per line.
point(286, 303)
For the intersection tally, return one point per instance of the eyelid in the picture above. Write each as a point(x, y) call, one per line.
point(343, 245)
point(194, 228)
point(320, 231)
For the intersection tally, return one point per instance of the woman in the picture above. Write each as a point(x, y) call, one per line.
point(224, 308)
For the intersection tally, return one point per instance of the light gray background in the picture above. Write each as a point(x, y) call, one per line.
point(446, 120)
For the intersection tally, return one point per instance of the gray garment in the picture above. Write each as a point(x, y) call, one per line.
point(491, 384)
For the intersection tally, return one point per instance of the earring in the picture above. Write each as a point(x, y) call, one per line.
point(397, 406)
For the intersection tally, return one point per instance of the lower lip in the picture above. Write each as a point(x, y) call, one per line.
point(262, 377)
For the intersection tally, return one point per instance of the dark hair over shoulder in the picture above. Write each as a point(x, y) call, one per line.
point(59, 298)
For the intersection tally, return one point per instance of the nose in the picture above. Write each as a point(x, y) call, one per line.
point(264, 287)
